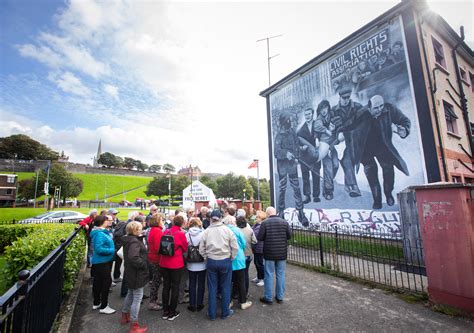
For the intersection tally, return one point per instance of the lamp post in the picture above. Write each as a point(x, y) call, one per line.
point(243, 202)
point(169, 189)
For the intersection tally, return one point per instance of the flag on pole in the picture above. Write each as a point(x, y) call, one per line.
point(254, 164)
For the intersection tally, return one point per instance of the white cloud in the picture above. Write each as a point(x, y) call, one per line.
point(69, 83)
point(43, 54)
point(111, 90)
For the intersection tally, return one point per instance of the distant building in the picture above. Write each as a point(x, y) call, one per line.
point(63, 158)
point(95, 162)
point(8, 185)
point(191, 172)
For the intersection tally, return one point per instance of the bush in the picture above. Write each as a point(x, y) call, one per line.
point(28, 251)
point(10, 233)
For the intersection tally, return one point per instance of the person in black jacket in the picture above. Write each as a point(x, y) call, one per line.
point(135, 275)
point(275, 232)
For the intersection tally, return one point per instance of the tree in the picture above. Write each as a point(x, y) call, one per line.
point(232, 186)
point(23, 147)
point(26, 188)
point(71, 186)
point(110, 160)
point(178, 184)
point(158, 186)
point(141, 166)
point(209, 182)
point(154, 168)
point(264, 188)
point(169, 168)
point(129, 163)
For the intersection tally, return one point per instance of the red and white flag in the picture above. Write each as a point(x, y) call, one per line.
point(253, 165)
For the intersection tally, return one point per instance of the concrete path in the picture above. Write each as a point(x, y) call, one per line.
point(314, 302)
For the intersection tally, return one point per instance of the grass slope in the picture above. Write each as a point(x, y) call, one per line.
point(98, 185)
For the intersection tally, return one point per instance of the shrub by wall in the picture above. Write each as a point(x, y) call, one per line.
point(11, 232)
point(26, 252)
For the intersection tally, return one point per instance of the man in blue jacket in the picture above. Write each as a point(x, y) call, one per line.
point(275, 233)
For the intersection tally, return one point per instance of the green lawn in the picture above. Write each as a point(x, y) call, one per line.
point(98, 185)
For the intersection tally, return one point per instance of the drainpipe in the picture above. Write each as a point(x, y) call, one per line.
point(433, 101)
point(461, 92)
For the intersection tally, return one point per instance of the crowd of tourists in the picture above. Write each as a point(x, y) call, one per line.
point(180, 252)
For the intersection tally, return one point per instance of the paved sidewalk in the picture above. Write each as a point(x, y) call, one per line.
point(313, 302)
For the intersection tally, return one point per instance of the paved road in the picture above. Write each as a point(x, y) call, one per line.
point(313, 302)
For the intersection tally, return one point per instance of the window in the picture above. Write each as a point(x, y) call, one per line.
point(469, 180)
point(471, 78)
point(438, 52)
point(456, 179)
point(450, 118)
point(463, 74)
point(9, 191)
point(11, 179)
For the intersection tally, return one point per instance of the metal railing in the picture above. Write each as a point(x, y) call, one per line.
point(37, 221)
point(371, 256)
point(33, 303)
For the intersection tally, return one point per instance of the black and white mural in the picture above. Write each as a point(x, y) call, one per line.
point(346, 137)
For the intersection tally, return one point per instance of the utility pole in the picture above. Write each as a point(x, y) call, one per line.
point(268, 53)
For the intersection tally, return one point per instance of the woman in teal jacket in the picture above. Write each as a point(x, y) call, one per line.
point(238, 265)
point(104, 251)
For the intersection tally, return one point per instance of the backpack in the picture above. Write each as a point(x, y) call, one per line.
point(193, 254)
point(167, 245)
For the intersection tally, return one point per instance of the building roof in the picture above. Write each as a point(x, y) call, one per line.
point(420, 6)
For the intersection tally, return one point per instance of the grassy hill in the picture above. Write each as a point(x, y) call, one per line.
point(98, 185)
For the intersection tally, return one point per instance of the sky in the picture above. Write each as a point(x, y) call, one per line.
point(165, 82)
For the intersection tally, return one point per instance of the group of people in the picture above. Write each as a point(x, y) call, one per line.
point(367, 132)
point(181, 252)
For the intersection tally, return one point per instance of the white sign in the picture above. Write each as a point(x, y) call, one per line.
point(46, 188)
point(197, 191)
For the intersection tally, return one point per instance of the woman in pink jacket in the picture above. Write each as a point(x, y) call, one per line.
point(172, 268)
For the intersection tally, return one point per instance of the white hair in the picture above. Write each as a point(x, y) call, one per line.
point(270, 211)
point(229, 219)
point(241, 212)
point(153, 207)
point(132, 215)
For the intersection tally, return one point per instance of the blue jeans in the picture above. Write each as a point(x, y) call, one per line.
point(132, 303)
point(272, 266)
point(197, 285)
point(219, 277)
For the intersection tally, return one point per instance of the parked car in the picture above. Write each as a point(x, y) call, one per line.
point(60, 216)
point(125, 203)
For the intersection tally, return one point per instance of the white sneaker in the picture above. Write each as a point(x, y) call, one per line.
point(107, 310)
point(246, 305)
point(260, 283)
point(231, 304)
point(113, 284)
point(95, 307)
point(255, 280)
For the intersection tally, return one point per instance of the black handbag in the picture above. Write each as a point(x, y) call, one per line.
point(167, 245)
point(193, 255)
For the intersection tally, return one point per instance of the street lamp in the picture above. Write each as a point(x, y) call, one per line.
point(244, 190)
point(169, 189)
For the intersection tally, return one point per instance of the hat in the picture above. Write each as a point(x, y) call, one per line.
point(345, 89)
point(216, 214)
point(112, 211)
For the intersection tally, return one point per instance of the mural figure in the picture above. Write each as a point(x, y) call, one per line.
point(325, 133)
point(345, 112)
point(287, 152)
point(310, 166)
point(376, 122)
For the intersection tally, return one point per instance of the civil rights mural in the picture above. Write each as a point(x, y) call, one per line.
point(346, 137)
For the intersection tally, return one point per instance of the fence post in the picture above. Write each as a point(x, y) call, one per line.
point(321, 256)
point(19, 320)
point(337, 240)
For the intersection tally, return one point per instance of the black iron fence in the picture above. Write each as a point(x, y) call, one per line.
point(33, 303)
point(370, 255)
point(39, 221)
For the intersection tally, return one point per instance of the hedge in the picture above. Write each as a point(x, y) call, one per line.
point(11, 232)
point(26, 252)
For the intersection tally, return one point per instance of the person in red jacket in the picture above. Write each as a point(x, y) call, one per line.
point(172, 268)
point(88, 224)
point(154, 237)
